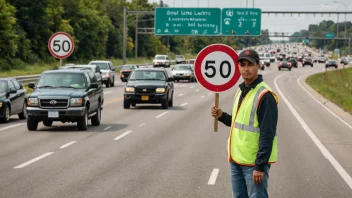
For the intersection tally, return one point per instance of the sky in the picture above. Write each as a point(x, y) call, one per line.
point(279, 23)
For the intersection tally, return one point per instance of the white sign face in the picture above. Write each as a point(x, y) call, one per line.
point(61, 45)
point(218, 68)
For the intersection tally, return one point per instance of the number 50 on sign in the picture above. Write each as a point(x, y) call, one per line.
point(61, 45)
point(216, 69)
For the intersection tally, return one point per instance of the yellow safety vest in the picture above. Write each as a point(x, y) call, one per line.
point(243, 141)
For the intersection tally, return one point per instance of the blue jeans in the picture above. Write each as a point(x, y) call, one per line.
point(243, 185)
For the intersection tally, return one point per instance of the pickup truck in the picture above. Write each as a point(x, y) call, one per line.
point(67, 96)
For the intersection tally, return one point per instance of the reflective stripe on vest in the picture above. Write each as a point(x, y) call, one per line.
point(243, 142)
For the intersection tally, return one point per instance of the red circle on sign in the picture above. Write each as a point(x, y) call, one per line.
point(51, 50)
point(198, 67)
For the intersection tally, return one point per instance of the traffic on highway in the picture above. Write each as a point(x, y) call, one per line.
point(209, 102)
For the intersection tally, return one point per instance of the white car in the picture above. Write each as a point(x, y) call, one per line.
point(265, 58)
point(180, 59)
point(161, 61)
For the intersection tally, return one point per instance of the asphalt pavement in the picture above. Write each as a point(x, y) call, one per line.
point(152, 152)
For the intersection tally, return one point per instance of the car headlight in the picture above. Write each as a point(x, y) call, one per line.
point(76, 102)
point(160, 90)
point(107, 75)
point(0, 104)
point(130, 89)
point(32, 101)
point(188, 74)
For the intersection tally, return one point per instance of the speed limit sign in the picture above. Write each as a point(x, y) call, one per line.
point(216, 67)
point(61, 45)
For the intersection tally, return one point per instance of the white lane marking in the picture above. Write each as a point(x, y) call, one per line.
point(12, 126)
point(116, 82)
point(180, 94)
point(332, 113)
point(107, 128)
point(210, 94)
point(182, 85)
point(67, 145)
point(33, 160)
point(184, 104)
point(197, 90)
point(191, 87)
point(161, 114)
point(202, 96)
point(141, 124)
point(123, 135)
point(106, 92)
point(314, 138)
point(213, 176)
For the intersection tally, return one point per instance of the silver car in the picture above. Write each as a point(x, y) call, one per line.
point(107, 71)
point(183, 72)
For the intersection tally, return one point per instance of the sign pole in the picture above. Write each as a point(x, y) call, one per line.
point(217, 106)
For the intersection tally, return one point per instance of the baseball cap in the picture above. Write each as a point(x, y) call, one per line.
point(250, 55)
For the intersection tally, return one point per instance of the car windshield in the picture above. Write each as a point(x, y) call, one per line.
point(101, 65)
point(332, 61)
point(293, 60)
point(62, 80)
point(160, 58)
point(126, 67)
point(284, 60)
point(3, 86)
point(183, 67)
point(267, 55)
point(147, 75)
point(308, 59)
point(179, 56)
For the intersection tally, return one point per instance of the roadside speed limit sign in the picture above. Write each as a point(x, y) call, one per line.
point(61, 45)
point(216, 67)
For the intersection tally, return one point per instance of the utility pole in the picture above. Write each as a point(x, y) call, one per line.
point(337, 29)
point(253, 3)
point(136, 39)
point(124, 34)
point(349, 44)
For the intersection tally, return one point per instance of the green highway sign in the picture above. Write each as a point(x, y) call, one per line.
point(329, 35)
point(187, 21)
point(241, 21)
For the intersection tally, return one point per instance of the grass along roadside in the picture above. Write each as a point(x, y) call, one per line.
point(335, 86)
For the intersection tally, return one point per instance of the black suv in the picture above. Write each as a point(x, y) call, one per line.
point(66, 96)
point(307, 61)
point(149, 85)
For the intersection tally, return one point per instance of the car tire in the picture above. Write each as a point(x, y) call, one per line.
point(279, 68)
point(32, 125)
point(165, 104)
point(107, 84)
point(95, 120)
point(48, 123)
point(7, 114)
point(126, 105)
point(289, 69)
point(113, 82)
point(133, 105)
point(171, 101)
point(23, 114)
point(336, 67)
point(82, 122)
point(311, 65)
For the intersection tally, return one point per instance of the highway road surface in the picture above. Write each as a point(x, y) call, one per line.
point(152, 152)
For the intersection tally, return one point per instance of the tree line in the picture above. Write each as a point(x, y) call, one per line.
point(97, 30)
point(319, 30)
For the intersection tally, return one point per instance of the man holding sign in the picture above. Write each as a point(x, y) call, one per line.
point(252, 144)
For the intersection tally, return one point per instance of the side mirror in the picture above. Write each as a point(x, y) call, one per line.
point(170, 79)
point(94, 85)
point(13, 91)
point(113, 69)
point(97, 69)
point(31, 85)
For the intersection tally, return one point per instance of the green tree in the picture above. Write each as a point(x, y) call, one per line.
point(9, 39)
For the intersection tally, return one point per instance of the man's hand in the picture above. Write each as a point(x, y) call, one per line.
point(216, 112)
point(258, 177)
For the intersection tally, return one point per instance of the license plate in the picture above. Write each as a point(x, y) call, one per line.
point(145, 98)
point(53, 114)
